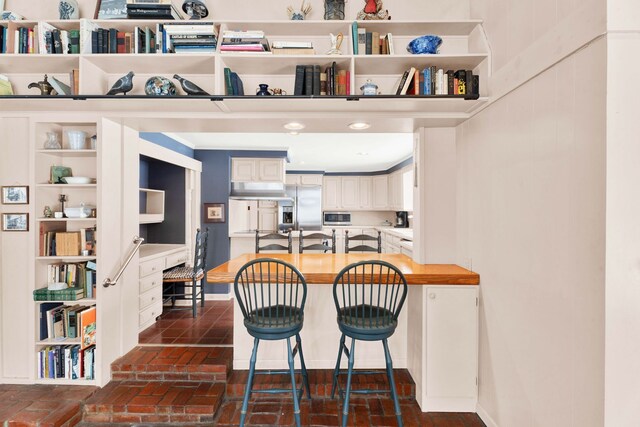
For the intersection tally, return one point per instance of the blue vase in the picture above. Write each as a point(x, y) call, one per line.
point(424, 44)
point(264, 90)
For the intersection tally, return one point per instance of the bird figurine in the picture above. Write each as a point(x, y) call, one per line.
point(189, 87)
point(123, 85)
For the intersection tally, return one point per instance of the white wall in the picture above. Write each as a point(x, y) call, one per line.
point(531, 218)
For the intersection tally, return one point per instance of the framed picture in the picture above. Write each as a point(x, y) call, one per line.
point(15, 222)
point(15, 195)
point(214, 212)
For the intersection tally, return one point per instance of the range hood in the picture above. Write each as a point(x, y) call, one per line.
point(258, 191)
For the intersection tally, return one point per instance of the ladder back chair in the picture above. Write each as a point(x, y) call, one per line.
point(271, 294)
point(274, 246)
point(368, 296)
point(324, 244)
point(178, 280)
point(362, 247)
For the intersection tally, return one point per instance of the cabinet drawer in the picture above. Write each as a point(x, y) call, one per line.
point(267, 204)
point(152, 266)
point(176, 259)
point(151, 296)
point(150, 313)
point(149, 282)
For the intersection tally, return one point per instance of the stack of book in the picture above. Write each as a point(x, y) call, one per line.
point(54, 241)
point(149, 9)
point(371, 42)
point(75, 276)
point(191, 37)
point(55, 41)
point(433, 81)
point(244, 41)
point(232, 83)
point(310, 80)
point(292, 48)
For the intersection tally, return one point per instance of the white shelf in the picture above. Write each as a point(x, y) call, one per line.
point(67, 219)
point(83, 301)
point(68, 153)
point(67, 258)
point(154, 206)
point(157, 64)
point(66, 185)
point(64, 341)
point(35, 63)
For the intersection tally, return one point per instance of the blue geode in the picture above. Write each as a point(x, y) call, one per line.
point(424, 44)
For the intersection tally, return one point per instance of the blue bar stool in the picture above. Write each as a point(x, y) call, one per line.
point(271, 294)
point(368, 296)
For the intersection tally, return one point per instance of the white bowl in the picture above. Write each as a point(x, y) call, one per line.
point(78, 212)
point(77, 179)
point(77, 139)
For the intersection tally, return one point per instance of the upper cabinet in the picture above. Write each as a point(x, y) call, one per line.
point(257, 170)
point(303, 179)
point(332, 193)
point(401, 189)
point(379, 192)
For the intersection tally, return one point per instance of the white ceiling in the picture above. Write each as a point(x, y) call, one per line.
point(329, 152)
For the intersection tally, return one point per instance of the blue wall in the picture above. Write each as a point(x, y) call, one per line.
point(166, 142)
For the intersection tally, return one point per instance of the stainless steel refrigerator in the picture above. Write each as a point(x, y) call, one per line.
point(304, 211)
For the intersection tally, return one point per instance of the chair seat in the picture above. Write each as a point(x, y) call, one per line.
point(274, 322)
point(181, 274)
point(366, 322)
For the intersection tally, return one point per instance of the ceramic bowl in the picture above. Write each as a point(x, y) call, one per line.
point(77, 180)
point(78, 212)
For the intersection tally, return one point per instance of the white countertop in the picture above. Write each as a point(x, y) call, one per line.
point(153, 250)
point(403, 233)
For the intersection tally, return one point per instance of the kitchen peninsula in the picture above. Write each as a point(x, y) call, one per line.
point(436, 338)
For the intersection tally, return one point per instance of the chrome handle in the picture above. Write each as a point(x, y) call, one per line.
point(137, 241)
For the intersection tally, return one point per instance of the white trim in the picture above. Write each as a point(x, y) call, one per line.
point(218, 297)
point(155, 151)
point(450, 404)
point(484, 416)
point(179, 139)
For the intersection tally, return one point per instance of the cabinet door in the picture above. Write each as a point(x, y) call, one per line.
point(243, 170)
point(452, 343)
point(407, 189)
point(291, 179)
point(310, 179)
point(332, 193)
point(271, 170)
point(268, 219)
point(366, 184)
point(243, 215)
point(350, 193)
point(379, 192)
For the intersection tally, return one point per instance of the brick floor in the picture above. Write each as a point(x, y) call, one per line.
point(212, 326)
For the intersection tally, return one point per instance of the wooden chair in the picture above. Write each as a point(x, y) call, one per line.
point(178, 280)
point(324, 244)
point(274, 246)
point(362, 247)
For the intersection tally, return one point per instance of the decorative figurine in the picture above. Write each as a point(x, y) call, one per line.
point(263, 90)
point(373, 10)
point(123, 85)
point(62, 198)
point(334, 10)
point(48, 213)
point(300, 14)
point(45, 88)
point(336, 42)
point(189, 87)
point(424, 44)
point(159, 86)
point(369, 88)
point(195, 9)
point(52, 142)
point(68, 9)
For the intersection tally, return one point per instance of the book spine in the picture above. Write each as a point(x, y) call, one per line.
point(227, 81)
point(469, 81)
point(368, 43)
point(323, 83)
point(362, 41)
point(316, 80)
point(450, 87)
point(308, 80)
point(74, 40)
point(354, 37)
point(113, 40)
point(375, 43)
point(403, 80)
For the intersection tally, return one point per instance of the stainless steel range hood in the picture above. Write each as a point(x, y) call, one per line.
point(258, 191)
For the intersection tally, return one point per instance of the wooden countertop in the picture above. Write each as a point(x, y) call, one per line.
point(323, 268)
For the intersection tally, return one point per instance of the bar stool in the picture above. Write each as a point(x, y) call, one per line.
point(322, 246)
point(362, 247)
point(274, 246)
point(271, 294)
point(368, 296)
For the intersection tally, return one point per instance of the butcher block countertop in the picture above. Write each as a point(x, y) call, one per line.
point(323, 268)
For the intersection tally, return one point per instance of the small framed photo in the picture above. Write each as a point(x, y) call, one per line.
point(214, 212)
point(15, 195)
point(15, 222)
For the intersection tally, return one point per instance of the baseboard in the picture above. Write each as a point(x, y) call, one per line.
point(450, 404)
point(207, 297)
point(484, 416)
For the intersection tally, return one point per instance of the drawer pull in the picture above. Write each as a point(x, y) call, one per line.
point(153, 283)
point(432, 296)
point(153, 269)
point(153, 298)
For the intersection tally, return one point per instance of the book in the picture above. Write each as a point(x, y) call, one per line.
point(67, 244)
point(368, 43)
point(308, 80)
point(292, 51)
point(227, 81)
point(375, 43)
point(44, 308)
point(234, 83)
point(362, 41)
point(316, 80)
point(462, 83)
point(87, 327)
point(402, 82)
point(291, 45)
point(69, 294)
point(323, 83)
point(354, 37)
point(469, 81)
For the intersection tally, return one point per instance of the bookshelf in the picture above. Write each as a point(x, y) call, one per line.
point(82, 163)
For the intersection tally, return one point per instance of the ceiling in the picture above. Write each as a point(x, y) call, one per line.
point(329, 152)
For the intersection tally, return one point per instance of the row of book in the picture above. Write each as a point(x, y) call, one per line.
point(433, 81)
point(43, 39)
point(141, 40)
point(75, 275)
point(66, 361)
point(370, 42)
point(244, 41)
point(59, 322)
point(310, 80)
point(158, 9)
point(56, 241)
point(233, 83)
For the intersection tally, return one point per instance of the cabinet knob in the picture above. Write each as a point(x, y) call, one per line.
point(153, 269)
point(153, 298)
point(153, 283)
point(432, 296)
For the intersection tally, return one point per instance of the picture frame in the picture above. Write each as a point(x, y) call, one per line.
point(15, 221)
point(214, 212)
point(111, 9)
point(15, 195)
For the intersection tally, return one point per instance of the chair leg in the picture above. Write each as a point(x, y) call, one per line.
point(202, 292)
point(303, 367)
point(296, 405)
point(336, 371)
point(194, 300)
point(247, 391)
point(392, 383)
point(345, 407)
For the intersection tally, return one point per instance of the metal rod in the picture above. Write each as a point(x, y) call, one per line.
point(137, 241)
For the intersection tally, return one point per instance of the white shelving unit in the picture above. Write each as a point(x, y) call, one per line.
point(153, 206)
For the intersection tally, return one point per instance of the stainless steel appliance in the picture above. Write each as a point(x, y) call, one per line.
point(402, 219)
point(302, 208)
point(336, 218)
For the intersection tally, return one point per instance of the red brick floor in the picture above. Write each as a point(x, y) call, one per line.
point(212, 326)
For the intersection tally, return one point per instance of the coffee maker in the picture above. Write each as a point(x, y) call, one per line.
point(402, 219)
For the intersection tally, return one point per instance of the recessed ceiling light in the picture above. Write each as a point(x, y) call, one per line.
point(294, 126)
point(359, 125)
point(294, 133)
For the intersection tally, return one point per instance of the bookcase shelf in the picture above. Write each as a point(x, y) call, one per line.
point(68, 153)
point(66, 219)
point(66, 258)
point(83, 301)
point(62, 381)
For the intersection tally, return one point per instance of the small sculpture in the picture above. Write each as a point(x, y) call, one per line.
point(300, 14)
point(48, 213)
point(62, 199)
point(123, 85)
point(373, 9)
point(189, 87)
point(159, 86)
point(68, 9)
point(336, 42)
point(195, 9)
point(44, 86)
point(334, 9)
point(424, 44)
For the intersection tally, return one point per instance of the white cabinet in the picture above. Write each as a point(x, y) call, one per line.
point(303, 179)
point(268, 219)
point(379, 192)
point(451, 357)
point(350, 192)
point(243, 215)
point(257, 170)
point(401, 189)
point(332, 193)
point(366, 188)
